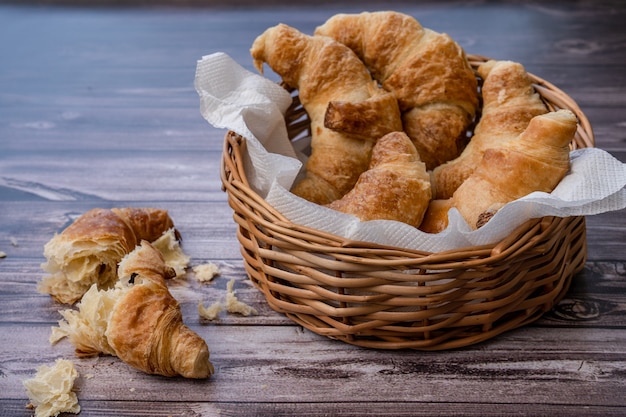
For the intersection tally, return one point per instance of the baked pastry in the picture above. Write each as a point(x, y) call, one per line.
point(326, 73)
point(427, 71)
point(138, 321)
point(87, 252)
point(395, 187)
point(537, 160)
point(509, 103)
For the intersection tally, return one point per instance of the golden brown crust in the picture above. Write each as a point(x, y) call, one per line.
point(425, 124)
point(509, 103)
point(395, 187)
point(438, 74)
point(146, 223)
point(378, 38)
point(97, 224)
point(426, 71)
point(324, 71)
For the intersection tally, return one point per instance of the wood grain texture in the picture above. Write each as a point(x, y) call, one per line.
point(98, 109)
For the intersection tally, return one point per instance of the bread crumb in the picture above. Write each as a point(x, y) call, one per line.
point(206, 272)
point(233, 305)
point(211, 312)
point(50, 391)
point(3, 254)
point(132, 389)
point(13, 241)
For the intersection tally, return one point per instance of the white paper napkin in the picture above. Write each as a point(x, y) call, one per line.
point(251, 105)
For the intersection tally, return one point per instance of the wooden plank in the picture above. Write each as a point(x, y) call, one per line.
point(138, 408)
point(285, 364)
point(606, 236)
point(529, 40)
point(165, 175)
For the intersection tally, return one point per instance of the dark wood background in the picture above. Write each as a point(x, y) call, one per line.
point(98, 109)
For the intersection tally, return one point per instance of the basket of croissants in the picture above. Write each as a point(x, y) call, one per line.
point(404, 126)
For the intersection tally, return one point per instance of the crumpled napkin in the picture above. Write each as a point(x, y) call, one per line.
point(253, 106)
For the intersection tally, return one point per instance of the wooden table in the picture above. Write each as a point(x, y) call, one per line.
point(98, 109)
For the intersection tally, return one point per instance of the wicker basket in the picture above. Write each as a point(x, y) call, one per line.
point(394, 298)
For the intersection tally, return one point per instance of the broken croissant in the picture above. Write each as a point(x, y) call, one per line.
point(427, 71)
point(535, 161)
point(87, 252)
point(138, 321)
point(329, 78)
point(395, 187)
point(509, 103)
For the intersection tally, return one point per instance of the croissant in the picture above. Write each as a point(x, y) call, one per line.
point(326, 73)
point(509, 103)
point(138, 321)
point(87, 252)
point(537, 160)
point(427, 71)
point(395, 187)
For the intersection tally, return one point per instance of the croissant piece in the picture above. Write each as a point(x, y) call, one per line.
point(87, 252)
point(427, 71)
point(395, 187)
point(138, 321)
point(372, 118)
point(509, 103)
point(537, 160)
point(326, 71)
